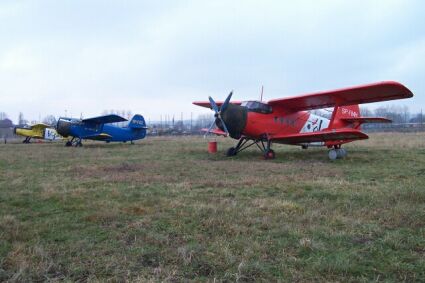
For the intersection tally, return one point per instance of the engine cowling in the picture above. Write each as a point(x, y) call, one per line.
point(235, 117)
point(63, 127)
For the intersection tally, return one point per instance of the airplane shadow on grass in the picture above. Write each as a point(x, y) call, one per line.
point(291, 155)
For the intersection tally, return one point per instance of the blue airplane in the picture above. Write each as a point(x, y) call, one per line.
point(97, 128)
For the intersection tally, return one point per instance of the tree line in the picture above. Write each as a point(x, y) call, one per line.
point(171, 124)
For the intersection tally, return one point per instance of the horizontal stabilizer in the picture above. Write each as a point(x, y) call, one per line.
point(106, 119)
point(322, 136)
point(363, 120)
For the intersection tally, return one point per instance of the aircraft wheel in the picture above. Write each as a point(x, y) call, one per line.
point(341, 153)
point(269, 154)
point(231, 152)
point(333, 154)
point(304, 146)
point(68, 143)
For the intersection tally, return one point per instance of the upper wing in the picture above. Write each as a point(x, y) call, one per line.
point(39, 126)
point(112, 118)
point(208, 105)
point(347, 96)
point(322, 136)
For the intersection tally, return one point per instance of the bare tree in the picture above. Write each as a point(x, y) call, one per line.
point(398, 114)
point(21, 119)
point(365, 112)
point(50, 120)
point(204, 121)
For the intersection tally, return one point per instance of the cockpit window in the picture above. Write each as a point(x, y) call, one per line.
point(257, 106)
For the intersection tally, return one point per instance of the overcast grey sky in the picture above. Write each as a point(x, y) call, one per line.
point(156, 57)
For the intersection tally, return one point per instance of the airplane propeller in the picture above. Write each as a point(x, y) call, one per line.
point(218, 111)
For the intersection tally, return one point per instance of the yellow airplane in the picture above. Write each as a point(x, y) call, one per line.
point(37, 131)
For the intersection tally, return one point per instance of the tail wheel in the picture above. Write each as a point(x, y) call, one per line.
point(269, 154)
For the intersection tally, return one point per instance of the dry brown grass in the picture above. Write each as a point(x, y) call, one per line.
point(166, 210)
point(393, 140)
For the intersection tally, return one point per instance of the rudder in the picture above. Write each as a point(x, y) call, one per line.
point(137, 122)
point(344, 112)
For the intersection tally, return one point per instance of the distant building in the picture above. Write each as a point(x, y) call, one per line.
point(6, 128)
point(6, 123)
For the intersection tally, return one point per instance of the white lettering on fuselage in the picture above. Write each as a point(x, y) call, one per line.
point(138, 122)
point(349, 112)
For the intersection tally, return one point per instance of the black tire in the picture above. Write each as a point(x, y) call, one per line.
point(68, 143)
point(231, 152)
point(269, 154)
point(332, 154)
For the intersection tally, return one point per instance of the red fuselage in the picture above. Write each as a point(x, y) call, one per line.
point(258, 120)
point(277, 122)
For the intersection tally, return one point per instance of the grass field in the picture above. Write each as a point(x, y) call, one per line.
point(166, 210)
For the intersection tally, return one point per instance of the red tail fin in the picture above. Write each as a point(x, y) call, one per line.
point(341, 112)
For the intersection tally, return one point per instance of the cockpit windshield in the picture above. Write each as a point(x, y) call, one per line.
point(257, 106)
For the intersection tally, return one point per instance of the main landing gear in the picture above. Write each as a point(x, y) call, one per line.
point(26, 140)
point(262, 144)
point(76, 143)
point(337, 153)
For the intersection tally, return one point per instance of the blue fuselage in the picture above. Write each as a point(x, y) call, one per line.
point(105, 132)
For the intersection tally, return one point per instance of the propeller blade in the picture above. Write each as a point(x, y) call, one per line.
point(213, 104)
point(224, 126)
point(209, 130)
point(226, 102)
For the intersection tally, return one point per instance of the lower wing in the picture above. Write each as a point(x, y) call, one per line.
point(337, 135)
point(37, 137)
point(100, 137)
point(217, 132)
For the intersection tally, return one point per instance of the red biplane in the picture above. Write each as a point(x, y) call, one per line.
point(287, 120)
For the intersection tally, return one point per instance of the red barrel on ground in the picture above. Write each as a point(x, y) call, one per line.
point(212, 147)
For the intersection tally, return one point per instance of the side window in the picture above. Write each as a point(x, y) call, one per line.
point(256, 106)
